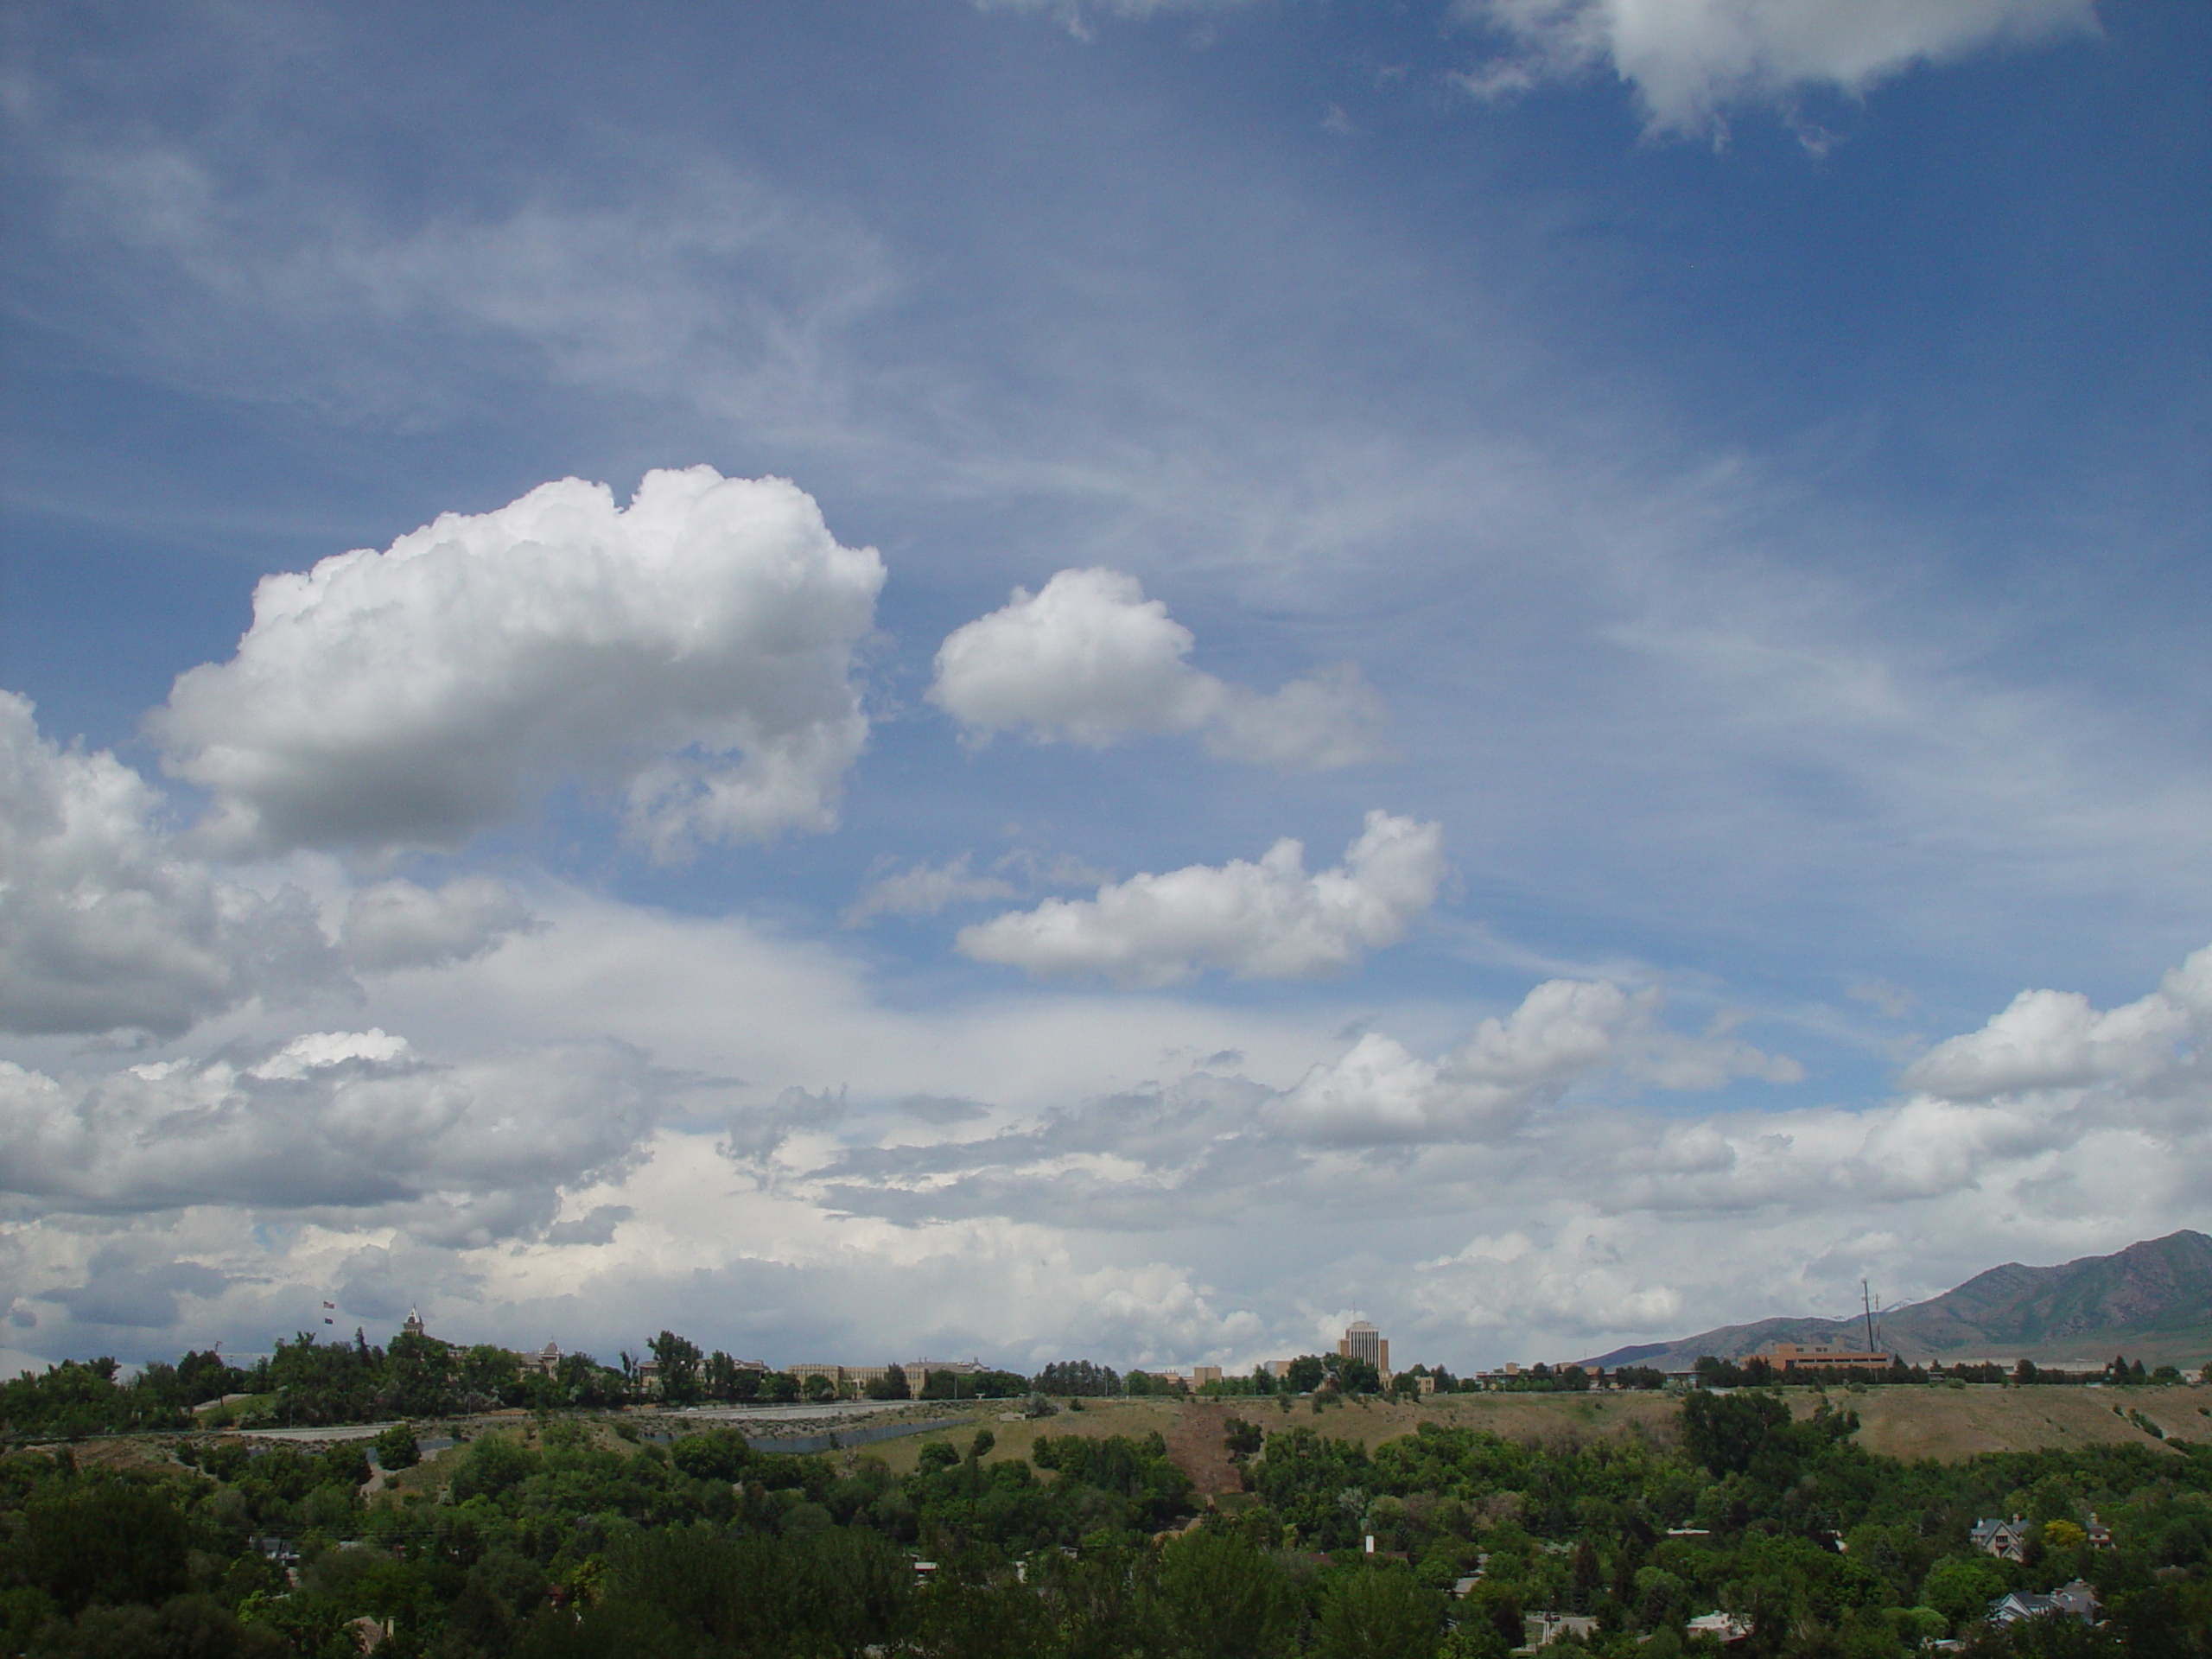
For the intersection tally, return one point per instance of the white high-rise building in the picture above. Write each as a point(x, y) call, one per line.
point(1362, 1341)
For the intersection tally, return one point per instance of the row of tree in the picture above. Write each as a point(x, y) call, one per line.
point(1758, 1372)
point(306, 1380)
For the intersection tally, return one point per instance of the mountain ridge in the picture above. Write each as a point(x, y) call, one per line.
point(2152, 1298)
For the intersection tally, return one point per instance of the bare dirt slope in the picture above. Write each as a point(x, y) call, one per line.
point(1198, 1446)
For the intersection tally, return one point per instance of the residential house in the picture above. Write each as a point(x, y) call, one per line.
point(2076, 1598)
point(1727, 1627)
point(2006, 1540)
point(1541, 1629)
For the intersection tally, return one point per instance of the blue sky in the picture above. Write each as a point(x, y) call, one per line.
point(1694, 520)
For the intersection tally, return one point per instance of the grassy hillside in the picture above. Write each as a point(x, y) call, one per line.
point(1941, 1422)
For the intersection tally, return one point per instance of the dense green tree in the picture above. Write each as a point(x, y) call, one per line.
point(1379, 1612)
point(1222, 1597)
point(892, 1385)
point(1724, 1432)
point(417, 1374)
point(1962, 1586)
point(1357, 1377)
point(102, 1542)
point(679, 1359)
point(1077, 1379)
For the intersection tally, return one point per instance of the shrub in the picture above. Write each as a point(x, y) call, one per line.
point(397, 1448)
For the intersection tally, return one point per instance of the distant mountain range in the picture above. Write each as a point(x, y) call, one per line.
point(2151, 1301)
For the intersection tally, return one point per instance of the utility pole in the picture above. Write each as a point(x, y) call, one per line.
point(1867, 1301)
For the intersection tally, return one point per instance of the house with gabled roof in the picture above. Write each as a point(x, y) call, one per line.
point(2077, 1598)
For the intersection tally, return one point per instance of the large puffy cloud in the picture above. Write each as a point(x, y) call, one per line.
point(332, 1121)
point(103, 925)
point(1688, 58)
point(697, 648)
point(2056, 1039)
point(1090, 659)
point(1266, 920)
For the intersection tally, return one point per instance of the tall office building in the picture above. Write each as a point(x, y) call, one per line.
point(1363, 1341)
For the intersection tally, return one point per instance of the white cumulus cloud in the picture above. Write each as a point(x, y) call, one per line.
point(1267, 920)
point(1090, 659)
point(2056, 1039)
point(103, 926)
point(696, 648)
point(1689, 58)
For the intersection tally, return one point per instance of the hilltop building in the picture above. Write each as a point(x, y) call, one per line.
point(1362, 1341)
point(1822, 1357)
point(916, 1369)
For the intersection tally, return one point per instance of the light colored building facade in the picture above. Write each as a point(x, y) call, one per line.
point(917, 1368)
point(1821, 1356)
point(1362, 1341)
point(849, 1381)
